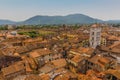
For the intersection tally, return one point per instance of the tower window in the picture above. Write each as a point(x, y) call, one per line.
point(98, 33)
point(93, 38)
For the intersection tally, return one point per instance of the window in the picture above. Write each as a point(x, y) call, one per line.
point(98, 33)
point(91, 64)
point(49, 59)
point(93, 38)
point(92, 43)
point(98, 38)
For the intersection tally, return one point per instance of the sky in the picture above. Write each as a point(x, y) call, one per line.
point(19, 10)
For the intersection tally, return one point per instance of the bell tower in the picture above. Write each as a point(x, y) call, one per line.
point(95, 35)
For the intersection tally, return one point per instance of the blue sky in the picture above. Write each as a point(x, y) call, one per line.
point(19, 10)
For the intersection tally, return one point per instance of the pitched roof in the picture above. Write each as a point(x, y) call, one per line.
point(59, 63)
point(77, 58)
point(45, 77)
point(66, 76)
point(113, 38)
point(82, 51)
point(13, 68)
point(100, 60)
point(113, 48)
point(39, 52)
point(116, 73)
point(47, 68)
point(33, 77)
point(116, 44)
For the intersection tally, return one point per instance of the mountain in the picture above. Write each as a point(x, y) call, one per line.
point(3, 22)
point(113, 21)
point(69, 19)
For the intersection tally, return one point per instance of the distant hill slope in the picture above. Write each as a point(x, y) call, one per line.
point(113, 21)
point(69, 19)
point(2, 22)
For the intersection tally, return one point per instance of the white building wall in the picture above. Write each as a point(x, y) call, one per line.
point(95, 37)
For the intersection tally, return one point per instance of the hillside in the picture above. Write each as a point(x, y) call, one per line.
point(69, 19)
point(2, 22)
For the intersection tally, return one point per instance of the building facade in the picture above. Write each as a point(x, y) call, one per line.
point(95, 35)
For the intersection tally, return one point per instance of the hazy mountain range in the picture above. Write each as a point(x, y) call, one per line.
point(69, 19)
point(6, 22)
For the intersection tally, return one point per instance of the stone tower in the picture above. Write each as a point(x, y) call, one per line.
point(95, 35)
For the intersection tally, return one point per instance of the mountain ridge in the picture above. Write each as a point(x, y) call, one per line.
point(3, 21)
point(68, 19)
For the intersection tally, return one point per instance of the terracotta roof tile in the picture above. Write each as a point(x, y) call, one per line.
point(59, 63)
point(13, 68)
point(39, 52)
point(116, 73)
